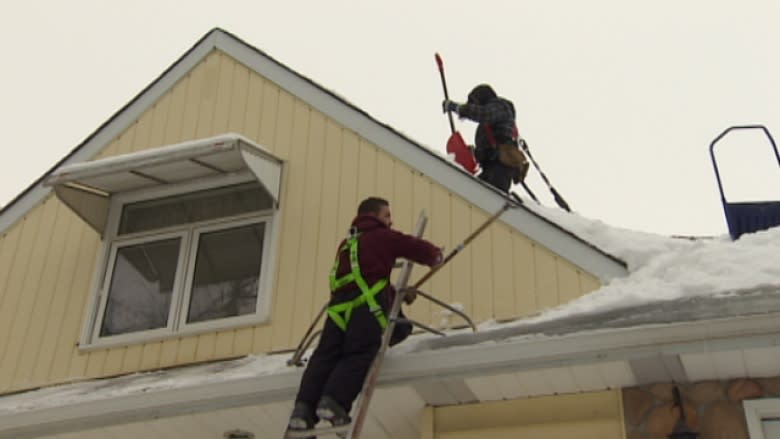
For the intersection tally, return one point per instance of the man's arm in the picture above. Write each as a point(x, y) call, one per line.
point(493, 112)
point(415, 249)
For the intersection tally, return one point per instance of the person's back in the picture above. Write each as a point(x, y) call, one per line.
point(361, 297)
point(496, 137)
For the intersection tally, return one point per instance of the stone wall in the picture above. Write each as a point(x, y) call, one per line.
point(712, 408)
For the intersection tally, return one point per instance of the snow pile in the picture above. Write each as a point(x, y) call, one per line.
point(664, 268)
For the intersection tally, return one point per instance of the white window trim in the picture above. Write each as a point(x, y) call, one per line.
point(756, 411)
point(95, 307)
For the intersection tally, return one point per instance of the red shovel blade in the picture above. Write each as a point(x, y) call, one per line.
point(463, 155)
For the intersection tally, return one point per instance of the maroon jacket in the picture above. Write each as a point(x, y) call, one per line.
point(379, 246)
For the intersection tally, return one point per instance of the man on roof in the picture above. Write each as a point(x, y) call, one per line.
point(496, 139)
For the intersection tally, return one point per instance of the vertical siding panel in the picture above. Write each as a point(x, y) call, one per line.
point(438, 231)
point(385, 178)
point(208, 96)
point(311, 183)
point(58, 346)
point(143, 130)
point(403, 198)
point(328, 235)
point(224, 93)
point(9, 246)
point(238, 99)
point(186, 352)
point(274, 101)
point(168, 351)
point(482, 283)
point(150, 355)
point(159, 123)
point(77, 361)
point(348, 182)
point(366, 184)
point(293, 212)
point(42, 309)
point(546, 278)
point(568, 281)
point(460, 264)
point(14, 294)
point(132, 358)
point(588, 283)
point(223, 346)
point(524, 270)
point(503, 273)
point(29, 289)
point(254, 108)
point(113, 146)
point(190, 113)
point(242, 341)
point(421, 193)
point(176, 111)
point(96, 362)
point(114, 360)
point(206, 346)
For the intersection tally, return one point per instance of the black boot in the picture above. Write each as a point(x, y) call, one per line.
point(302, 418)
point(331, 411)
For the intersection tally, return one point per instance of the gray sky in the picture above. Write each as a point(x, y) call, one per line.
point(617, 99)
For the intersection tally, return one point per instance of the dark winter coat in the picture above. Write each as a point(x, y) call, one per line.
point(378, 248)
point(497, 112)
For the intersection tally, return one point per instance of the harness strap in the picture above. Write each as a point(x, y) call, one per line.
point(341, 313)
point(492, 138)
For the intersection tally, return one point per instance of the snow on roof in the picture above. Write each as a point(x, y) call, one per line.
point(664, 270)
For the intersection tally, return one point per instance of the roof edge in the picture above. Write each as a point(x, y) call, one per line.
point(522, 354)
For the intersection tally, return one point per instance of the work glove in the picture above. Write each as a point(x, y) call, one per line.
point(449, 106)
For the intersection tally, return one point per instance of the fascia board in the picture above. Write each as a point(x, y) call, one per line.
point(522, 354)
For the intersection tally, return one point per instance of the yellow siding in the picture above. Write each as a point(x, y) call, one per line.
point(47, 259)
point(595, 415)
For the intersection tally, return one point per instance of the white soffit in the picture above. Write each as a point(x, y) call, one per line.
point(87, 187)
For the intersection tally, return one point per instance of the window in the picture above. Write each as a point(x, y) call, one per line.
point(182, 260)
point(763, 418)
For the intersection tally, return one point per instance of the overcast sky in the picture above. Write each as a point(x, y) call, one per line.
point(617, 99)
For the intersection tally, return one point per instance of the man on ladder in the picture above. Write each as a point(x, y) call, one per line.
point(361, 297)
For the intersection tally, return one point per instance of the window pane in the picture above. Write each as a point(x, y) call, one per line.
point(197, 206)
point(771, 428)
point(139, 297)
point(227, 270)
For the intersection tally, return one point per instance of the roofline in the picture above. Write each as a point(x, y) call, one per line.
point(561, 241)
point(521, 354)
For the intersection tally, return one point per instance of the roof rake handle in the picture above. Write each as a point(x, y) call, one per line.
point(440, 63)
point(462, 245)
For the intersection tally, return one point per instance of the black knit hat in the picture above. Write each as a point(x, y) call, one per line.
point(481, 94)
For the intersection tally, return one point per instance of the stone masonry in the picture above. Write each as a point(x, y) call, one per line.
point(712, 408)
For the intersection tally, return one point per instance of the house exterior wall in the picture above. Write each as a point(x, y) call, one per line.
point(712, 408)
point(592, 415)
point(47, 259)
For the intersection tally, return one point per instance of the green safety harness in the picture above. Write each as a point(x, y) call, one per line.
point(340, 313)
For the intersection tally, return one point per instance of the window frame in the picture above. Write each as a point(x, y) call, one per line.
point(177, 327)
point(756, 411)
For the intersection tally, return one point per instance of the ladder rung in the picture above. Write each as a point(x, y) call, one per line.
point(337, 429)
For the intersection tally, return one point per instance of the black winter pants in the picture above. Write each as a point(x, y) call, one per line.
point(341, 360)
point(497, 174)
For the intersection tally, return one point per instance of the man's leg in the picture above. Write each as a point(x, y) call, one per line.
point(361, 343)
point(321, 364)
